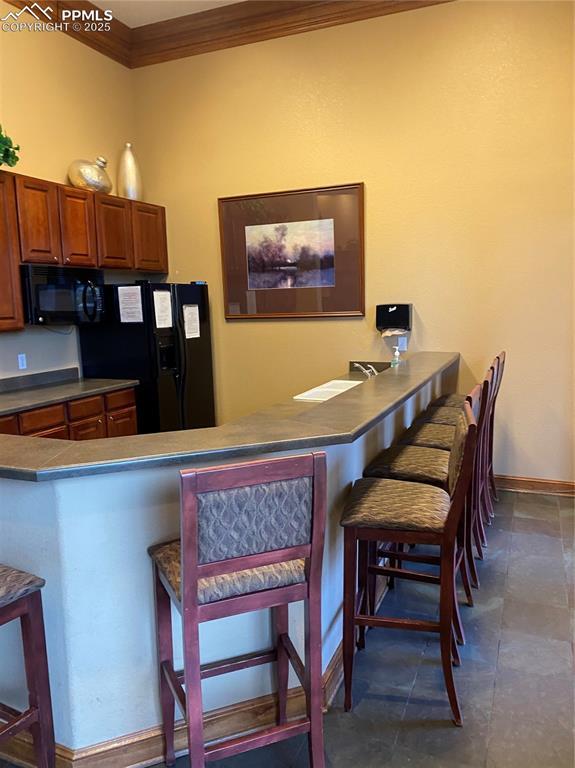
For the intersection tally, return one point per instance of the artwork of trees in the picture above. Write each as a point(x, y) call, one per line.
point(291, 255)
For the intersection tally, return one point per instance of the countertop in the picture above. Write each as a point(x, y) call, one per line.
point(290, 425)
point(36, 397)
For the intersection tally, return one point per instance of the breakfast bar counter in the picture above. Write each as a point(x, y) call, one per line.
point(82, 516)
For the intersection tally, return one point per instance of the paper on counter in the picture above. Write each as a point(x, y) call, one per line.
point(327, 391)
point(191, 321)
point(130, 301)
point(163, 309)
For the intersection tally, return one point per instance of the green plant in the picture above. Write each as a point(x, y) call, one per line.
point(8, 150)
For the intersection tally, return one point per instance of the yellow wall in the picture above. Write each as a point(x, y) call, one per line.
point(458, 119)
point(60, 101)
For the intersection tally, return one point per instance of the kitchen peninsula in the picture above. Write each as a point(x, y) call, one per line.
point(83, 515)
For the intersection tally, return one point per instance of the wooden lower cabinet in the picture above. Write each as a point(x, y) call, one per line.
point(89, 429)
point(122, 423)
point(89, 418)
point(9, 425)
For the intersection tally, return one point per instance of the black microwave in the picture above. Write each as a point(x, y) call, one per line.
point(62, 295)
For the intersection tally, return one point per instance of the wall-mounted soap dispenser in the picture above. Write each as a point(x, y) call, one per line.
point(393, 317)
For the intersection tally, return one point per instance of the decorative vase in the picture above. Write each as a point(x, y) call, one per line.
point(87, 175)
point(129, 178)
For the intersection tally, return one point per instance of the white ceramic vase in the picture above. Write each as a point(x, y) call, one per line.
point(129, 178)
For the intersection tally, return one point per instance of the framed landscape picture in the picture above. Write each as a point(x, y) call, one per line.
point(293, 254)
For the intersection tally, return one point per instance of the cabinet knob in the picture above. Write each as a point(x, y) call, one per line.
point(99, 421)
point(54, 258)
point(67, 259)
point(111, 418)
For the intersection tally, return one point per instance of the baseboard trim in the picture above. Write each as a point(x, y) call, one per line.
point(535, 485)
point(145, 748)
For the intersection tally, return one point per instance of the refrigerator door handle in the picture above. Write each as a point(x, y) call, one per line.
point(181, 379)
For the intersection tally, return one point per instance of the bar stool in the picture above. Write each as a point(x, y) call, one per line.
point(416, 463)
point(428, 434)
point(457, 401)
point(251, 538)
point(413, 513)
point(20, 598)
point(419, 464)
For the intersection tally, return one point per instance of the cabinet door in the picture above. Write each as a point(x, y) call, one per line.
point(90, 429)
point(114, 232)
point(38, 221)
point(9, 425)
point(78, 227)
point(11, 314)
point(149, 229)
point(58, 433)
point(122, 423)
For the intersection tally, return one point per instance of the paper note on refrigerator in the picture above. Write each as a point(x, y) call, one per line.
point(130, 301)
point(163, 309)
point(191, 321)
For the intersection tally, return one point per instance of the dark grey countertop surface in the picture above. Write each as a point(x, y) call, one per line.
point(36, 397)
point(290, 425)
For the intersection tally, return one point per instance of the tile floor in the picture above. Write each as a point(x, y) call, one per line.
point(516, 681)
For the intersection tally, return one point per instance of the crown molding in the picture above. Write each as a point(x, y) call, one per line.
point(229, 26)
point(253, 21)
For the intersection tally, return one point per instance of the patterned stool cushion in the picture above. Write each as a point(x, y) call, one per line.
point(167, 558)
point(396, 504)
point(440, 415)
point(411, 462)
point(451, 401)
point(15, 584)
point(429, 435)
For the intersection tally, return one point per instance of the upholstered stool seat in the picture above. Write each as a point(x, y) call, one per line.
point(396, 504)
point(16, 584)
point(168, 559)
point(411, 462)
point(441, 415)
point(429, 435)
point(451, 401)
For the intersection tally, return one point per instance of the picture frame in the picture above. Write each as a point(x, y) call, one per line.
point(293, 254)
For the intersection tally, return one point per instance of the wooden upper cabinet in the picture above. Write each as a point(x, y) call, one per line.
point(149, 228)
point(38, 221)
point(78, 227)
point(114, 231)
point(11, 314)
point(58, 224)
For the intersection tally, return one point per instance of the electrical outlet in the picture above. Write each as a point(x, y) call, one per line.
point(402, 343)
point(22, 364)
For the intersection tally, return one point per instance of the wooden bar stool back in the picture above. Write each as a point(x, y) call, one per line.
point(500, 369)
point(20, 598)
point(251, 538)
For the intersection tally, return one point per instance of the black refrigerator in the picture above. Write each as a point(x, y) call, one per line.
point(158, 333)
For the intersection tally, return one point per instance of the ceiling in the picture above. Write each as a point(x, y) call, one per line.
point(136, 13)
